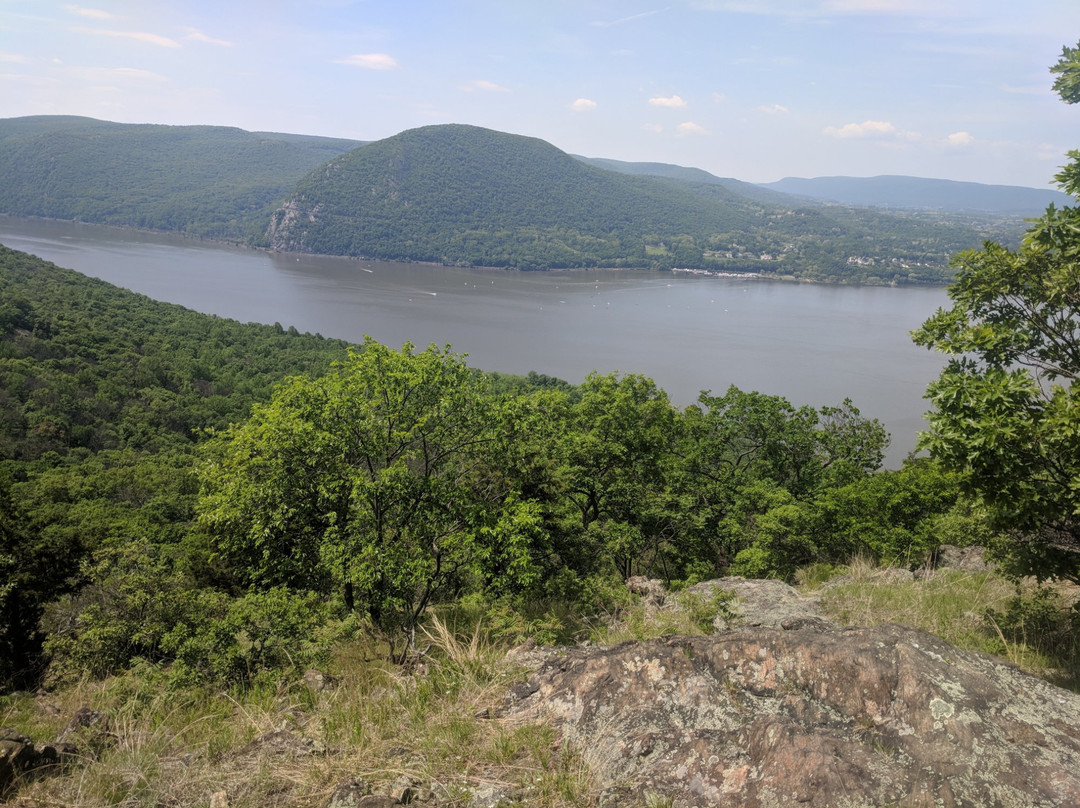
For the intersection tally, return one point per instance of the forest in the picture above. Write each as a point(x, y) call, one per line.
point(225, 500)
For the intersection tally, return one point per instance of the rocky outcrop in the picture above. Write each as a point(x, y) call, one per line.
point(19, 757)
point(814, 715)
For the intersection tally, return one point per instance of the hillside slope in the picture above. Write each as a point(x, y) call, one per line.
point(204, 180)
point(922, 193)
point(459, 194)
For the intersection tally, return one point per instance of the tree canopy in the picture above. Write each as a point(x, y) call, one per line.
point(1007, 406)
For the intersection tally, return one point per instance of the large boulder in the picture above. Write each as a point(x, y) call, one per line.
point(814, 716)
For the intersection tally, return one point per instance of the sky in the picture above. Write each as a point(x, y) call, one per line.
point(757, 90)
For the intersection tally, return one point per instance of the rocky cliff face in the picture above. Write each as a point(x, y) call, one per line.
point(810, 715)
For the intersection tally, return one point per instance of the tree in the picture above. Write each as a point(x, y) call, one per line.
point(1006, 408)
point(375, 478)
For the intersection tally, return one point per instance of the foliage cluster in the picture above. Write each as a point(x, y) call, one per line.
point(145, 518)
point(1007, 406)
point(102, 396)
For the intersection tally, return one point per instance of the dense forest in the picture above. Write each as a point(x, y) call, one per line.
point(220, 499)
point(466, 195)
point(461, 195)
point(211, 181)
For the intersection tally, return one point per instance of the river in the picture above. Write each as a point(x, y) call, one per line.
point(813, 344)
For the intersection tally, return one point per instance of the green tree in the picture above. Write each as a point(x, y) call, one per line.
point(1006, 409)
point(621, 434)
point(377, 478)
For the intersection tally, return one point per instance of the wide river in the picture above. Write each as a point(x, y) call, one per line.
point(812, 344)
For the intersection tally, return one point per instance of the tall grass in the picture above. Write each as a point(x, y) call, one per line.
point(428, 729)
point(1031, 626)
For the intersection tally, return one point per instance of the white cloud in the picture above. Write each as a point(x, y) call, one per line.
point(960, 139)
point(370, 61)
point(653, 127)
point(719, 97)
point(583, 105)
point(690, 128)
point(140, 36)
point(196, 35)
point(485, 85)
point(93, 13)
point(772, 109)
point(864, 129)
point(12, 58)
point(673, 101)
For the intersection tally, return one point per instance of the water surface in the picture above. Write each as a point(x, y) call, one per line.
point(813, 344)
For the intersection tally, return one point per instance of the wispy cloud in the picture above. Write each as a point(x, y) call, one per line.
point(93, 13)
point(583, 105)
point(370, 61)
point(139, 36)
point(12, 58)
point(960, 139)
point(773, 109)
point(623, 20)
point(672, 101)
point(195, 35)
point(113, 75)
point(861, 130)
point(653, 127)
point(827, 8)
point(719, 97)
point(486, 86)
point(690, 128)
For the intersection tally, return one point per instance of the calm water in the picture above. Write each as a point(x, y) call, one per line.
point(812, 344)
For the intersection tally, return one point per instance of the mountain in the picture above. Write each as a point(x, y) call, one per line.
point(465, 195)
point(690, 175)
point(204, 180)
point(921, 193)
point(458, 194)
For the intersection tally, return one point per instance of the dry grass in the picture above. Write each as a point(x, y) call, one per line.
point(956, 605)
point(425, 729)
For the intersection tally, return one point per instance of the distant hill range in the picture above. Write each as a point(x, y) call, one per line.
point(211, 181)
point(890, 191)
point(464, 195)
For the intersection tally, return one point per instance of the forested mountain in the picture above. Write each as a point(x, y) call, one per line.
point(205, 180)
point(691, 175)
point(922, 193)
point(466, 195)
point(460, 195)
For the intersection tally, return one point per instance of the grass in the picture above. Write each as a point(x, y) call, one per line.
point(1028, 625)
point(423, 729)
point(426, 726)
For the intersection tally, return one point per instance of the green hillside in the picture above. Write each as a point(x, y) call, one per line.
point(922, 193)
point(205, 180)
point(465, 195)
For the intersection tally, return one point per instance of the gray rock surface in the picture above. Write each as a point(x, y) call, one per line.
point(816, 716)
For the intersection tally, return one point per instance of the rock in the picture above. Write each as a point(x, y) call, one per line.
point(319, 681)
point(759, 603)
point(283, 742)
point(969, 559)
point(651, 590)
point(20, 757)
point(17, 756)
point(219, 799)
point(763, 717)
point(348, 794)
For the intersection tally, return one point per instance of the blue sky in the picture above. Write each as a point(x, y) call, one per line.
point(752, 89)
